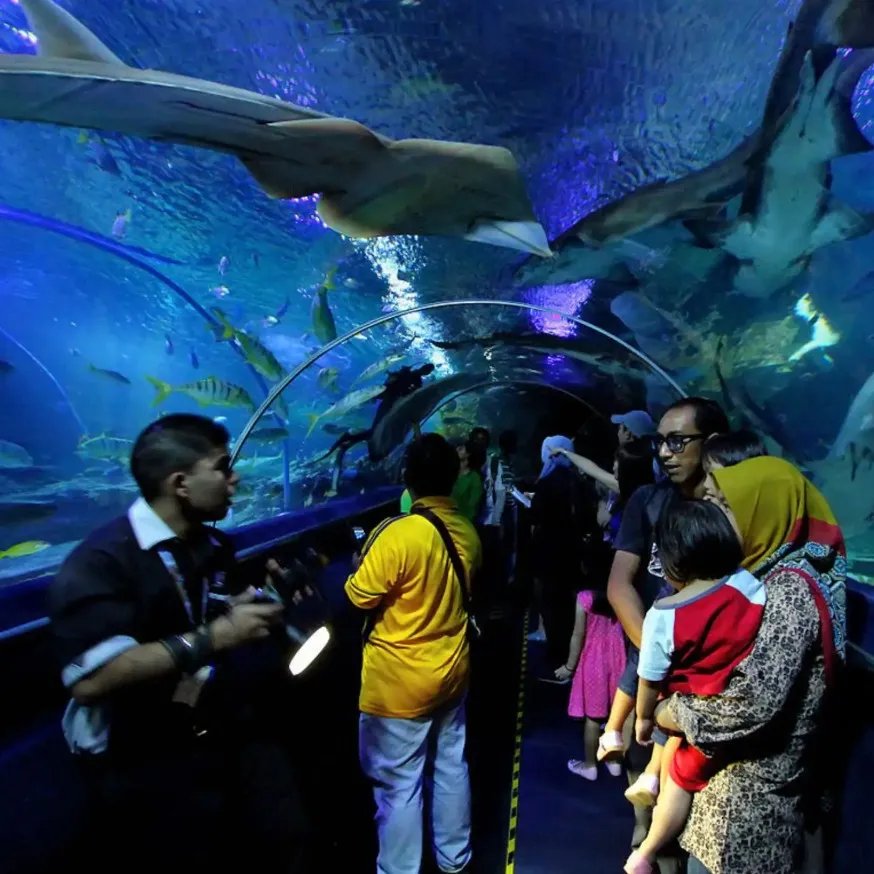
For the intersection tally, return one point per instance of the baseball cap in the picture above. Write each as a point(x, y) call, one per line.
point(637, 421)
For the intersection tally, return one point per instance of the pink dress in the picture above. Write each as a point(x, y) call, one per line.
point(600, 666)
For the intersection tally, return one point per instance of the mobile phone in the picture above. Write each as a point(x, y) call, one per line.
point(359, 534)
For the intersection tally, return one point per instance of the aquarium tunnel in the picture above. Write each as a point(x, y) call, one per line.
point(533, 218)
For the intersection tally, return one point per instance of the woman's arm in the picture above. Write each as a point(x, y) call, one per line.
point(765, 679)
point(577, 639)
point(589, 468)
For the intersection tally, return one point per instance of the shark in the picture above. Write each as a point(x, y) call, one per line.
point(368, 185)
point(809, 94)
point(547, 344)
point(858, 425)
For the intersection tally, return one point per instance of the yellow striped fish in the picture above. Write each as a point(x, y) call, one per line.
point(207, 392)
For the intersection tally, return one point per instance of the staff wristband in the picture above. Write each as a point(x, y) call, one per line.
point(189, 656)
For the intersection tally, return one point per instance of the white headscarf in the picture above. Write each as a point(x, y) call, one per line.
point(551, 462)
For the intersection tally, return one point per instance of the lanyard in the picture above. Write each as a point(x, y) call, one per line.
point(179, 579)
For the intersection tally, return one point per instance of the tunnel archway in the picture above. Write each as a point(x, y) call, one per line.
point(296, 372)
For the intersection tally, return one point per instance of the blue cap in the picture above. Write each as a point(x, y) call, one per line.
point(638, 422)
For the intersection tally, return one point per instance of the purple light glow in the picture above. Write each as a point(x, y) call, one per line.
point(566, 298)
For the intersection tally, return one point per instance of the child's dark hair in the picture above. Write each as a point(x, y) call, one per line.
point(734, 447)
point(696, 541)
point(635, 468)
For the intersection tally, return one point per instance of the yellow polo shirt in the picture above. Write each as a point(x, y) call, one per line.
point(416, 657)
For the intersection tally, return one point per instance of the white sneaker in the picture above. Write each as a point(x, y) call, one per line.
point(579, 767)
point(614, 769)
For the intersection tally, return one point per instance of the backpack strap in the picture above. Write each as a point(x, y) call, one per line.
point(454, 557)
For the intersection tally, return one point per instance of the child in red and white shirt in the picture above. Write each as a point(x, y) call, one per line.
point(691, 643)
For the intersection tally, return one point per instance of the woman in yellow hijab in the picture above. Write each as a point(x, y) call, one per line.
point(785, 522)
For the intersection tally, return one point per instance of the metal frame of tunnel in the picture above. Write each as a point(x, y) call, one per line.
point(514, 382)
point(289, 378)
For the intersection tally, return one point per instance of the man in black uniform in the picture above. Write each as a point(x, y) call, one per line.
point(144, 613)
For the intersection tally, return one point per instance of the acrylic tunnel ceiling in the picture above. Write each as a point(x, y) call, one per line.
point(125, 258)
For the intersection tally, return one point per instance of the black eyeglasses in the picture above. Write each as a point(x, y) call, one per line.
point(676, 443)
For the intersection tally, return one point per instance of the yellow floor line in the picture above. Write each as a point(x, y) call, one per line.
point(517, 753)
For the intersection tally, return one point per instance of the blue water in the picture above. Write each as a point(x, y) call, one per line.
point(594, 99)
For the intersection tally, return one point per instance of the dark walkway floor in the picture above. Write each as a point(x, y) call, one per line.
point(566, 825)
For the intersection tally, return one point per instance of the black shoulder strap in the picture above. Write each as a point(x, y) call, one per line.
point(454, 557)
point(658, 498)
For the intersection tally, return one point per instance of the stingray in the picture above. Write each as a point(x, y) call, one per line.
point(369, 184)
point(394, 427)
point(706, 194)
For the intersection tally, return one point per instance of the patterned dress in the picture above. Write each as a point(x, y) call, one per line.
point(600, 666)
point(750, 817)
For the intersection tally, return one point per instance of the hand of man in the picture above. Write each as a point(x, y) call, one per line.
point(243, 624)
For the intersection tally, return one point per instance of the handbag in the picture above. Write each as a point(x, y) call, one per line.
point(473, 630)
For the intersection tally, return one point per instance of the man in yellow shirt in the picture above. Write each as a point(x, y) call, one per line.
point(416, 665)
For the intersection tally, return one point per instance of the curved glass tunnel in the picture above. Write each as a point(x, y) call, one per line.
point(129, 267)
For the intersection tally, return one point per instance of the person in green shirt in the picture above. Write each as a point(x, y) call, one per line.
point(468, 489)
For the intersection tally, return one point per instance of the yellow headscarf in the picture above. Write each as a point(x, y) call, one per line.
point(786, 522)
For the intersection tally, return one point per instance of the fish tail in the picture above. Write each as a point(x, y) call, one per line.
point(4, 553)
point(163, 389)
point(330, 284)
point(229, 330)
point(314, 420)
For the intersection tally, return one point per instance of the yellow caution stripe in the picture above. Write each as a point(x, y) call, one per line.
point(517, 754)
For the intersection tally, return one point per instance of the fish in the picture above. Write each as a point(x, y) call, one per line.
point(168, 344)
point(14, 457)
point(223, 265)
point(408, 412)
point(345, 405)
point(99, 153)
point(379, 367)
point(254, 351)
point(207, 392)
point(6, 369)
point(324, 327)
point(22, 550)
point(19, 512)
point(268, 435)
point(113, 375)
point(369, 185)
point(327, 378)
point(220, 291)
point(192, 358)
point(120, 224)
point(698, 201)
point(104, 447)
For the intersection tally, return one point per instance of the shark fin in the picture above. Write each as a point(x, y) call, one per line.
point(62, 36)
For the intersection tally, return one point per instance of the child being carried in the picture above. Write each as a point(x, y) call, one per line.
point(692, 641)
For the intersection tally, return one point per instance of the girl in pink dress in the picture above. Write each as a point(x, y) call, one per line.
point(596, 659)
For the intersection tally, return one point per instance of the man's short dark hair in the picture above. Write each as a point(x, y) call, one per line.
point(710, 418)
point(479, 431)
point(696, 541)
point(170, 444)
point(735, 447)
point(432, 467)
